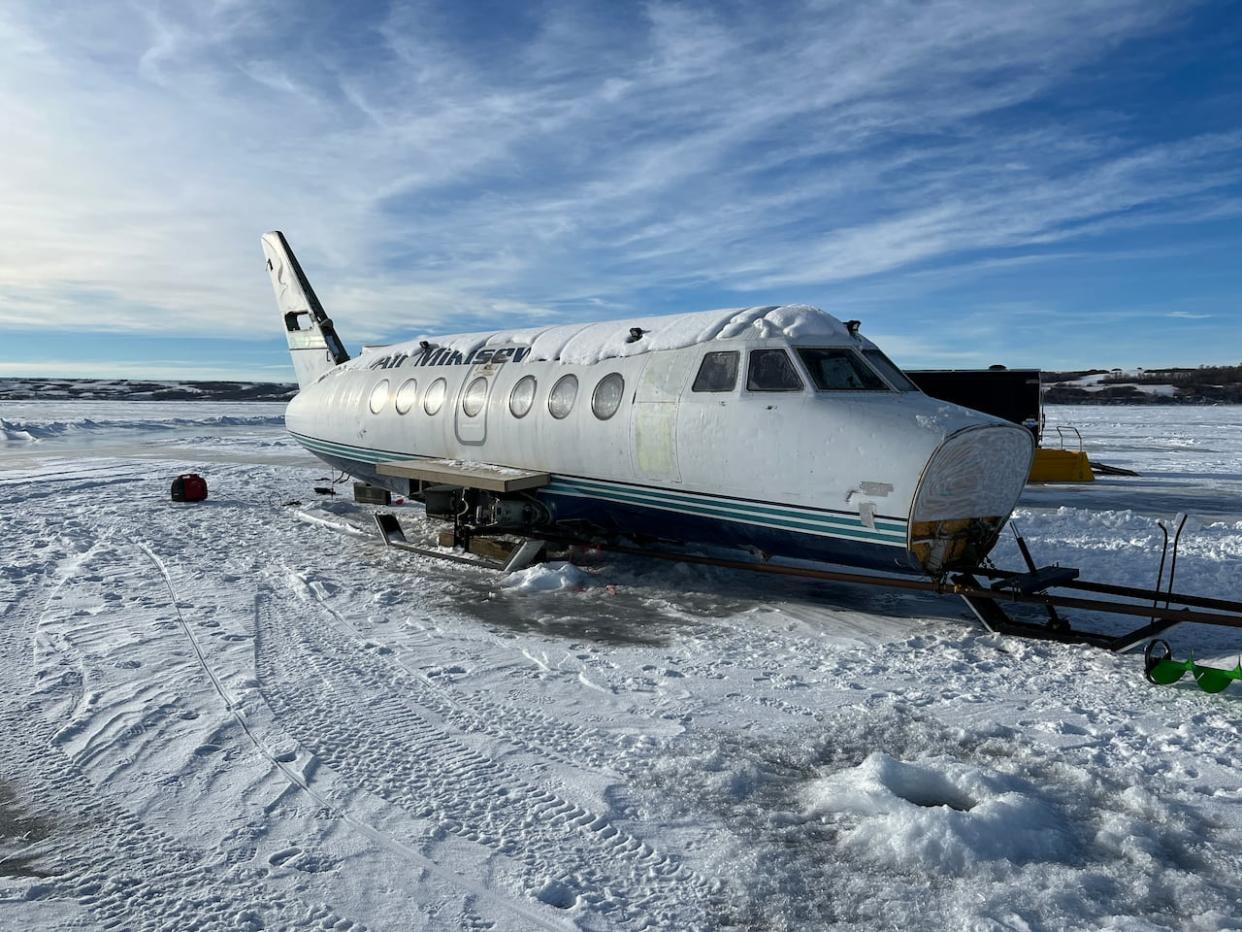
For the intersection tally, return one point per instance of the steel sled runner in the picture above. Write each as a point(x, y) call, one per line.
point(987, 601)
point(987, 591)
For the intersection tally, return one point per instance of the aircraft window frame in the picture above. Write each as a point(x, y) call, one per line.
point(567, 379)
point(466, 397)
point(530, 403)
point(700, 383)
point(412, 385)
point(902, 382)
point(860, 366)
point(612, 378)
point(377, 400)
point(433, 400)
point(791, 368)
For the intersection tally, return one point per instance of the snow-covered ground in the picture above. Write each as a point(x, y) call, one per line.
point(1095, 383)
point(40, 389)
point(241, 714)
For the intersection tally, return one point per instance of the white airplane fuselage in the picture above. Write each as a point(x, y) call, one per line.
point(655, 440)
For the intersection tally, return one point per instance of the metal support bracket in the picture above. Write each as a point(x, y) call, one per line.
point(527, 552)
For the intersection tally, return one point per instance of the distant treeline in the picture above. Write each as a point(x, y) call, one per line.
point(13, 389)
point(1203, 385)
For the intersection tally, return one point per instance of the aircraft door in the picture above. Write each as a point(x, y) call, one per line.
point(653, 423)
point(470, 412)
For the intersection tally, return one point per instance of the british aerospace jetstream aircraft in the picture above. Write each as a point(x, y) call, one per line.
point(780, 430)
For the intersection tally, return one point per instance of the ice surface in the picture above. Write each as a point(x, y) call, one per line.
point(310, 731)
point(30, 431)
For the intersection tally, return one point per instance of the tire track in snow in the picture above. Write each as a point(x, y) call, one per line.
point(67, 472)
point(363, 717)
point(123, 873)
point(381, 838)
point(129, 875)
point(520, 727)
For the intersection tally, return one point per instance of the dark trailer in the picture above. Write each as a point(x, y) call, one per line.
point(1012, 394)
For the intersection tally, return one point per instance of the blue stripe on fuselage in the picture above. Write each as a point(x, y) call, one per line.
point(787, 530)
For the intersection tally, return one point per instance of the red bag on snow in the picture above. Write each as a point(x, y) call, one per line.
point(189, 488)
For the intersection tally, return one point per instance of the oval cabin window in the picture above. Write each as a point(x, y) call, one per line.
point(405, 396)
point(476, 394)
point(561, 399)
point(435, 396)
point(379, 397)
point(606, 398)
point(522, 397)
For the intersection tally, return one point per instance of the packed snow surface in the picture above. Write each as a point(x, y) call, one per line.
point(584, 344)
point(247, 713)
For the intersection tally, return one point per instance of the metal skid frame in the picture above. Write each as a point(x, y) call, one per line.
point(986, 601)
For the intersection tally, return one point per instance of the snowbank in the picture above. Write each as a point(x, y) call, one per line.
point(545, 577)
point(15, 432)
point(938, 815)
point(30, 431)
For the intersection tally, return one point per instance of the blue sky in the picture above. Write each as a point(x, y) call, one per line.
point(1056, 184)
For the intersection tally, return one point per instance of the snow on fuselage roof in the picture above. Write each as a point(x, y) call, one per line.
point(584, 344)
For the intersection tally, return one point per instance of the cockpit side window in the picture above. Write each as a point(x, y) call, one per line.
point(771, 370)
point(889, 370)
point(840, 370)
point(717, 372)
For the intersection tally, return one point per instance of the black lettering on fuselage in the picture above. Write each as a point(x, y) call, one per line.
point(442, 356)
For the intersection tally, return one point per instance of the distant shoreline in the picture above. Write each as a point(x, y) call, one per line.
point(15, 389)
point(1139, 403)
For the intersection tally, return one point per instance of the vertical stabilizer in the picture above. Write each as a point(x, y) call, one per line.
point(313, 343)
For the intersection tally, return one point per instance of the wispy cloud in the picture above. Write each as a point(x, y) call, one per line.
point(435, 170)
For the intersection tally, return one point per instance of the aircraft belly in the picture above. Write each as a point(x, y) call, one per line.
point(789, 538)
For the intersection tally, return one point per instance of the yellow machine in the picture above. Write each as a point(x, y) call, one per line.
point(1052, 465)
point(1062, 465)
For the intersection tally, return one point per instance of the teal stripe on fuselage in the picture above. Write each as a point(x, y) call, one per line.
point(887, 531)
point(712, 511)
point(763, 509)
point(316, 445)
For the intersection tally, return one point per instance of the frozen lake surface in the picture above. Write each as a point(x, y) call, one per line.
point(247, 714)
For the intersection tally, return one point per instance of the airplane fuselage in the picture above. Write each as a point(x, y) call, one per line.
point(636, 441)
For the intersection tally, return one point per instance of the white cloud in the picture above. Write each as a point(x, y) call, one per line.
point(428, 180)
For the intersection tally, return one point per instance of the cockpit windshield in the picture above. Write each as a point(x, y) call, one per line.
point(840, 370)
point(889, 370)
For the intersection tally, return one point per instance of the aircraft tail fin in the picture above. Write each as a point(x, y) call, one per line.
point(313, 342)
